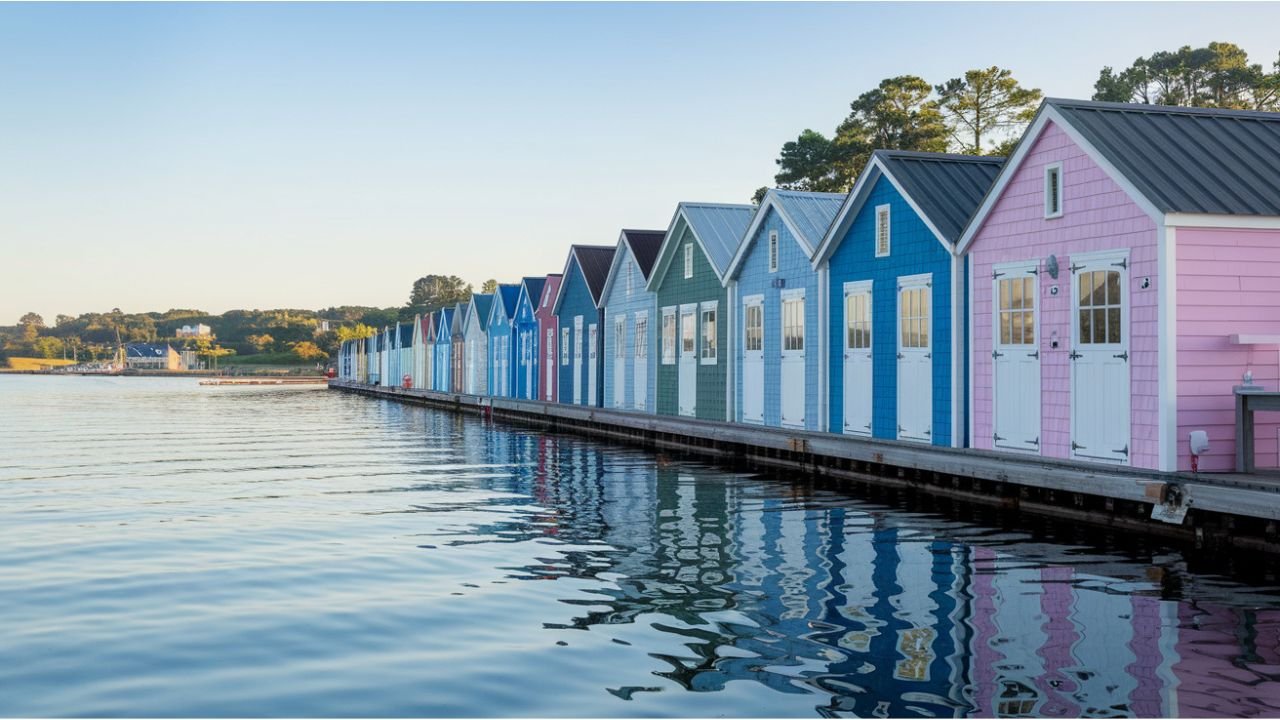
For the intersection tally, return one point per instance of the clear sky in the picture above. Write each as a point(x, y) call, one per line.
point(294, 155)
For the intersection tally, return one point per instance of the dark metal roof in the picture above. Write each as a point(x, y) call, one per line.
point(460, 314)
point(533, 288)
point(484, 303)
point(509, 293)
point(645, 245)
point(147, 350)
point(594, 262)
point(947, 188)
point(406, 333)
point(1187, 160)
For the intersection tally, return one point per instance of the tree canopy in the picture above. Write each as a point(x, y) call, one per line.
point(1217, 76)
point(432, 292)
point(986, 109)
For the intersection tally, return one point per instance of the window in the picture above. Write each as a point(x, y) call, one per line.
point(668, 336)
point(688, 260)
point(1100, 307)
point(577, 337)
point(1017, 313)
point(564, 346)
point(773, 251)
point(882, 230)
point(628, 278)
point(620, 337)
point(857, 321)
point(753, 328)
point(793, 324)
point(708, 335)
point(914, 313)
point(642, 336)
point(1053, 191)
point(545, 297)
point(688, 333)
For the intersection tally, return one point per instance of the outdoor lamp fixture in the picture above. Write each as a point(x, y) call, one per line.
point(1051, 266)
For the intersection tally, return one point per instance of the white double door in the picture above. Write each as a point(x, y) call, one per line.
point(1100, 423)
point(577, 360)
point(688, 377)
point(792, 364)
point(857, 358)
point(1015, 357)
point(915, 358)
point(753, 359)
point(620, 355)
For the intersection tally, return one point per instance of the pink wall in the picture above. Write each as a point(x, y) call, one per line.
point(1097, 215)
point(546, 321)
point(1226, 285)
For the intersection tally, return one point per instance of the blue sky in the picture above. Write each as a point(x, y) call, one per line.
point(295, 155)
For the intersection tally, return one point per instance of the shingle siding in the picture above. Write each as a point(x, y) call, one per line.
point(675, 290)
point(616, 303)
point(576, 301)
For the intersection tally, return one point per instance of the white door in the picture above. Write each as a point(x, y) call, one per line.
point(593, 340)
point(1100, 359)
point(753, 359)
point(688, 380)
point(915, 361)
point(1015, 358)
point(641, 364)
point(792, 367)
point(577, 360)
point(619, 387)
point(551, 364)
point(857, 358)
point(531, 354)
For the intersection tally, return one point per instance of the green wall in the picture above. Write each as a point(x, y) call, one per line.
point(674, 290)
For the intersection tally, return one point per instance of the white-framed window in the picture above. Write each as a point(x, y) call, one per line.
point(773, 251)
point(1053, 190)
point(882, 230)
point(709, 347)
point(620, 336)
point(1016, 310)
point(793, 323)
point(545, 297)
point(753, 328)
point(564, 346)
point(857, 320)
point(642, 335)
point(629, 268)
point(688, 331)
point(668, 336)
point(688, 260)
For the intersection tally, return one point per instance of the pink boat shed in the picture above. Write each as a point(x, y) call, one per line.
point(1122, 281)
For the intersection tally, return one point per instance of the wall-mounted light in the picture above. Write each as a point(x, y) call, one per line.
point(1051, 266)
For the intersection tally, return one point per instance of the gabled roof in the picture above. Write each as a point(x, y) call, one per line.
point(554, 279)
point(943, 189)
point(1168, 159)
point(460, 314)
point(593, 263)
point(406, 333)
point(807, 216)
point(428, 324)
point(531, 287)
point(717, 227)
point(509, 293)
point(483, 303)
point(644, 246)
point(444, 319)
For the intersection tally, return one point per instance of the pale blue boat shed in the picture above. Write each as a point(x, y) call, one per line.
point(630, 342)
point(526, 334)
point(442, 372)
point(502, 349)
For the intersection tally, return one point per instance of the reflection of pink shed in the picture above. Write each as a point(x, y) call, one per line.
point(1124, 272)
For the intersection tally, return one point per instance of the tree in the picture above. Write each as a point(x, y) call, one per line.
point(984, 105)
point(808, 163)
point(758, 196)
point(1218, 76)
point(355, 332)
point(63, 320)
point(260, 342)
point(31, 319)
point(307, 350)
point(432, 292)
point(489, 287)
point(47, 347)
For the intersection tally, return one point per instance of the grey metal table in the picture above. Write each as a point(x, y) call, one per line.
point(1250, 398)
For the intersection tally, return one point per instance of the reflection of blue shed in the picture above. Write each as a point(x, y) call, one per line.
point(442, 371)
point(526, 334)
point(502, 349)
point(577, 309)
point(630, 342)
point(775, 297)
point(896, 291)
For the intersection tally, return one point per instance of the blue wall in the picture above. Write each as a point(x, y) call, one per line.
point(576, 300)
point(500, 326)
point(754, 278)
point(913, 250)
point(526, 348)
point(442, 372)
point(616, 303)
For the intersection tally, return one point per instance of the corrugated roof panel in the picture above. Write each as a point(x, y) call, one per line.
point(645, 246)
point(484, 303)
point(594, 262)
point(509, 293)
point(1187, 160)
point(947, 188)
point(810, 212)
point(719, 228)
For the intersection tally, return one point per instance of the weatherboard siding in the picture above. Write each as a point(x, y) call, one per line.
point(1226, 285)
point(1097, 215)
point(913, 250)
point(527, 348)
point(616, 303)
point(673, 291)
point(754, 278)
point(547, 321)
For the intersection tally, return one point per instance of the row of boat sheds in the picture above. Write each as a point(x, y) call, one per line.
point(1097, 297)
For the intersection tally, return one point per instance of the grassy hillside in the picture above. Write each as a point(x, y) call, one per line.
point(30, 363)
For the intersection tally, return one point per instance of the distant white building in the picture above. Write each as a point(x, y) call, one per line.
point(194, 331)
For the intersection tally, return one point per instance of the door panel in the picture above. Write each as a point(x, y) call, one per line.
point(593, 339)
point(753, 360)
point(551, 365)
point(1016, 359)
point(577, 360)
point(688, 380)
point(641, 362)
point(1100, 423)
point(857, 359)
point(915, 361)
point(792, 366)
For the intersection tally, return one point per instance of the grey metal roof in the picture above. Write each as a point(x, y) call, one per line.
point(533, 288)
point(1187, 160)
point(810, 212)
point(484, 303)
point(947, 188)
point(645, 246)
point(406, 333)
point(594, 262)
point(459, 312)
point(444, 317)
point(719, 228)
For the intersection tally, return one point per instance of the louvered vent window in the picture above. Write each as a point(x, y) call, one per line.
point(1053, 191)
point(773, 251)
point(882, 231)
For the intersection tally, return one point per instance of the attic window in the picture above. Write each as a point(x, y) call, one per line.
point(688, 260)
point(628, 278)
point(545, 297)
point(1053, 190)
point(773, 251)
point(882, 230)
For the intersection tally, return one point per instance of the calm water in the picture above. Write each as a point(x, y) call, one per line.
point(168, 549)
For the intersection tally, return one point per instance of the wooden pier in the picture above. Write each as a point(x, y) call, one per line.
point(1236, 510)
